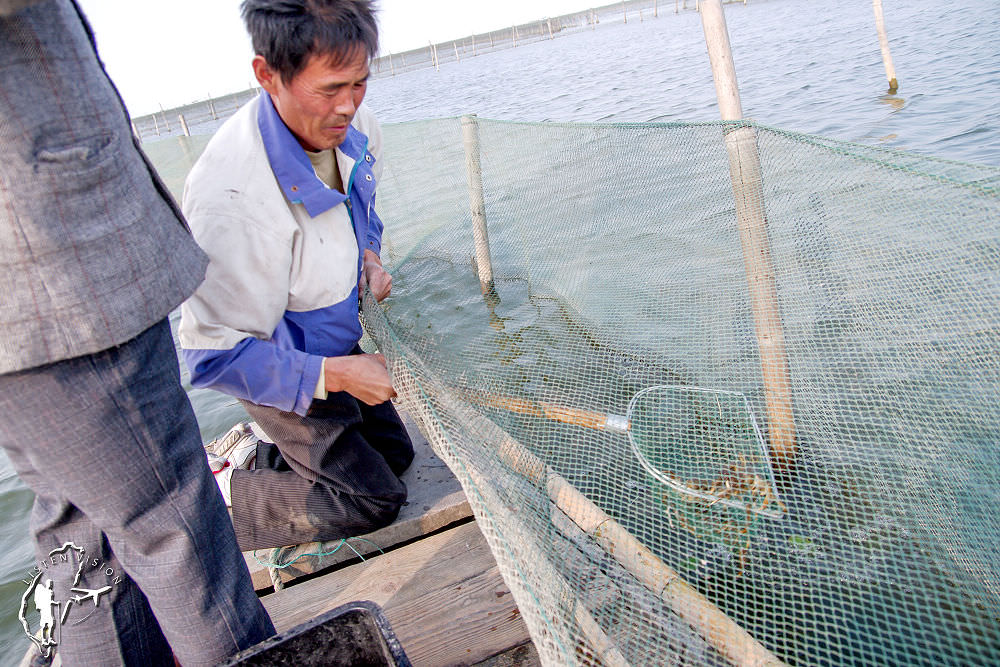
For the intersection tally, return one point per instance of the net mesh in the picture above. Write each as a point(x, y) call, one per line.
point(621, 262)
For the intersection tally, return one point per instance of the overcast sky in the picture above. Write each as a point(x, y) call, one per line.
point(172, 53)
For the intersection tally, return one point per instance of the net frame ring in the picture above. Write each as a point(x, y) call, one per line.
point(713, 500)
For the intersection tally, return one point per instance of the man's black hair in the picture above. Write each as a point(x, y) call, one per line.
point(287, 32)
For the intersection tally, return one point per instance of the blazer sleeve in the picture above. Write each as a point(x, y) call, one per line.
point(11, 7)
point(228, 325)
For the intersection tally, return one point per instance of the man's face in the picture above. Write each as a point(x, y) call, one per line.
point(318, 104)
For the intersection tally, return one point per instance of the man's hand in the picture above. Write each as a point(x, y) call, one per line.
point(378, 279)
point(363, 376)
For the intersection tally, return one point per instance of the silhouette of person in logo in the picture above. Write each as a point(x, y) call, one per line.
point(44, 602)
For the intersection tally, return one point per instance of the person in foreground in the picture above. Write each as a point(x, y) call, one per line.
point(282, 201)
point(94, 255)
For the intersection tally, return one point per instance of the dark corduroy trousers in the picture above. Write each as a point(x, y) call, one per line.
point(331, 474)
point(110, 446)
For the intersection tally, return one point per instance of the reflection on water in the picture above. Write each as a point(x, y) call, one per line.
point(897, 103)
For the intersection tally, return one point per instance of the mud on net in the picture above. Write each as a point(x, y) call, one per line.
point(652, 492)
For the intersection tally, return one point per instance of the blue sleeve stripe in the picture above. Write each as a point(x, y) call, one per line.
point(258, 371)
point(374, 233)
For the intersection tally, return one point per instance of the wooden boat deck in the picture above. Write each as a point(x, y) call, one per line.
point(443, 595)
point(435, 500)
point(431, 571)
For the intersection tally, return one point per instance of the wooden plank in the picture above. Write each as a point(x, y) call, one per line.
point(524, 655)
point(435, 500)
point(443, 595)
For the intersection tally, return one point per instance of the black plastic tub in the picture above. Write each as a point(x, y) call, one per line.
point(356, 634)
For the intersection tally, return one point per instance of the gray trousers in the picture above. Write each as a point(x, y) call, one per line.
point(331, 474)
point(110, 446)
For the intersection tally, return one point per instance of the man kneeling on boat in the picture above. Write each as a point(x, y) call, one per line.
point(282, 202)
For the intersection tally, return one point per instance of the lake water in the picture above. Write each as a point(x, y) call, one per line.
point(802, 66)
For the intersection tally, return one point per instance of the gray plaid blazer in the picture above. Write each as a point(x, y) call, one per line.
point(93, 249)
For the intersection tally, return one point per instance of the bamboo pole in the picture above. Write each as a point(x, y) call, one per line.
point(184, 125)
point(710, 622)
point(477, 204)
point(211, 107)
point(549, 21)
point(457, 58)
point(748, 191)
point(185, 144)
point(624, 12)
point(883, 40)
point(599, 641)
point(600, 421)
point(164, 114)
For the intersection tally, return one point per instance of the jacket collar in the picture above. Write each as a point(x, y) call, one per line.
point(291, 165)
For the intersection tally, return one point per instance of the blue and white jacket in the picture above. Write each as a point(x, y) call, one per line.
point(281, 289)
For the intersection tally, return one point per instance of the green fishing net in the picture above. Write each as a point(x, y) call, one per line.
point(618, 266)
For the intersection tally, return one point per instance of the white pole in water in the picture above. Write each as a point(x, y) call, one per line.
point(135, 132)
point(550, 27)
point(748, 191)
point(164, 114)
point(455, 44)
point(883, 40)
point(477, 204)
point(184, 125)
